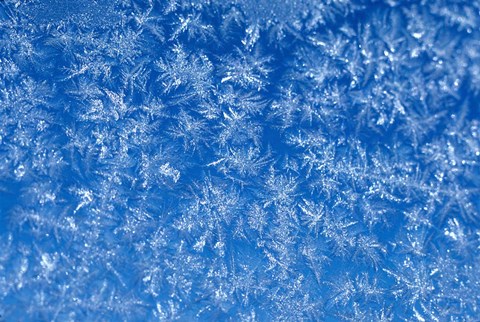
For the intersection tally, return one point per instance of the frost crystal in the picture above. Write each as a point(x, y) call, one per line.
point(280, 160)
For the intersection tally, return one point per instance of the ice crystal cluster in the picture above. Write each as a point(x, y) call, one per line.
point(244, 160)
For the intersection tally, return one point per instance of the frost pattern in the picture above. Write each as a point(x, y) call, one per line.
point(239, 161)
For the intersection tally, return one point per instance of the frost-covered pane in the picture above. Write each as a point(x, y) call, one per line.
point(294, 160)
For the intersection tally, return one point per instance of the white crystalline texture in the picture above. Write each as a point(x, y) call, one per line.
point(246, 160)
point(170, 172)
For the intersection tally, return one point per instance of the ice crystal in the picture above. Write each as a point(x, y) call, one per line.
point(239, 160)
